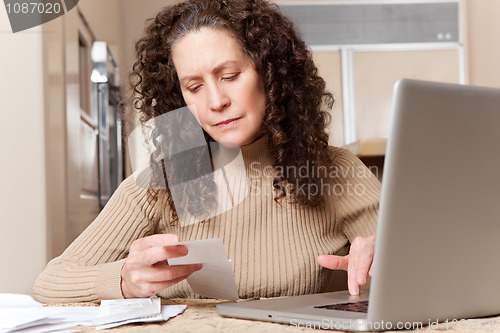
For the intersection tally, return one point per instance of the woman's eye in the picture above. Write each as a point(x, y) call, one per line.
point(194, 88)
point(232, 77)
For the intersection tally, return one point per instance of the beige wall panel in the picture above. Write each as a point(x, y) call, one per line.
point(55, 131)
point(329, 67)
point(73, 124)
point(23, 225)
point(375, 74)
point(483, 29)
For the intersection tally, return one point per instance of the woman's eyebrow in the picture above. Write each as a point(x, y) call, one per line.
point(224, 64)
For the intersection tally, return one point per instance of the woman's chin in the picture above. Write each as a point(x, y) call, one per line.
point(237, 138)
point(231, 140)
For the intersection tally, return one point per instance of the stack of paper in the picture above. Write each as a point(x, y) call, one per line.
point(113, 313)
point(20, 313)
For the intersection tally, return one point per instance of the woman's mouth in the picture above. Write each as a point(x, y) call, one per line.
point(227, 123)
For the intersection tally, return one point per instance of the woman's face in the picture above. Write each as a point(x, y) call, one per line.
point(220, 80)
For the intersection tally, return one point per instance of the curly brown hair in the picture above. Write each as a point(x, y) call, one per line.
point(297, 103)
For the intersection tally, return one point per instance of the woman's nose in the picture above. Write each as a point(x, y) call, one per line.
point(219, 99)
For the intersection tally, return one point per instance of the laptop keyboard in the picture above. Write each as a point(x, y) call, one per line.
point(361, 306)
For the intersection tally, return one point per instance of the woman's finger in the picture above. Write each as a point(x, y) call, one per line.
point(352, 271)
point(333, 261)
point(144, 243)
point(157, 254)
point(365, 259)
point(352, 284)
point(364, 263)
point(169, 273)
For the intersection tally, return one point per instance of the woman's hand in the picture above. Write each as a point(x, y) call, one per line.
point(146, 270)
point(358, 263)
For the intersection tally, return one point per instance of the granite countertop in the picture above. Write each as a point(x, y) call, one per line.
point(200, 316)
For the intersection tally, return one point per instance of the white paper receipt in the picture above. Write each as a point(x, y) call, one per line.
point(216, 278)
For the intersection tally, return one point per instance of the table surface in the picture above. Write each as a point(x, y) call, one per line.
point(200, 316)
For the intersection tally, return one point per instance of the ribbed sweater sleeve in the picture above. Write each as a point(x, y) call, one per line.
point(89, 269)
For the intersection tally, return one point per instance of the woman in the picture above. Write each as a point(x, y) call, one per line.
point(250, 81)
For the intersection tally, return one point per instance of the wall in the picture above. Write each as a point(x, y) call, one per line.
point(483, 30)
point(134, 15)
point(55, 135)
point(33, 139)
point(105, 21)
point(22, 169)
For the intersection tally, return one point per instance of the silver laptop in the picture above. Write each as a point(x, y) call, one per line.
point(438, 235)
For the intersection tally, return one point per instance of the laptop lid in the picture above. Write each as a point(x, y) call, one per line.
point(439, 219)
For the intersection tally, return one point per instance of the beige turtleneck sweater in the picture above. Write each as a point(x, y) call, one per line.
point(273, 245)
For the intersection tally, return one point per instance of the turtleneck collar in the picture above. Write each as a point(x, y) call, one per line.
point(257, 151)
